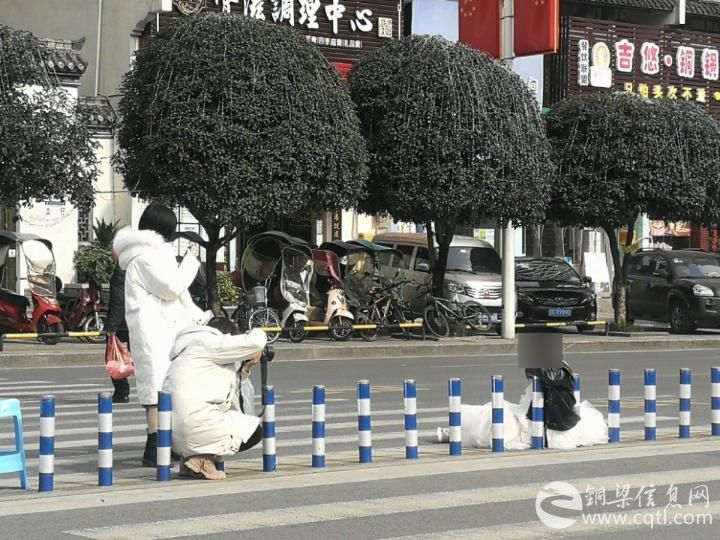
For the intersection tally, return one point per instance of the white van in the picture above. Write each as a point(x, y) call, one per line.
point(473, 269)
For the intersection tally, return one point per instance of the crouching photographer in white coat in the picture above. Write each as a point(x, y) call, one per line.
point(208, 421)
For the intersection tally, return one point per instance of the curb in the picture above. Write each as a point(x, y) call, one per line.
point(390, 349)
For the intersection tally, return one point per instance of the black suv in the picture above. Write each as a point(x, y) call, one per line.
point(681, 287)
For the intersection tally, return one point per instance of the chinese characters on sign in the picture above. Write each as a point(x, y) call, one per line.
point(583, 62)
point(335, 12)
point(653, 69)
point(650, 58)
point(337, 225)
point(624, 51)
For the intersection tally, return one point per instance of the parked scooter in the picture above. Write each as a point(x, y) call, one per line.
point(86, 313)
point(330, 305)
point(295, 276)
point(39, 260)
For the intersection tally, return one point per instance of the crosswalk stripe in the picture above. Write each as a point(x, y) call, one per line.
point(397, 469)
point(12, 384)
point(617, 521)
point(56, 392)
point(384, 506)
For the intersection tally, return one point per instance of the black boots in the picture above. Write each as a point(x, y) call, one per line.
point(150, 455)
point(122, 391)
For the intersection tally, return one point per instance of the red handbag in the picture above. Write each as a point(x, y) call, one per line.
point(118, 361)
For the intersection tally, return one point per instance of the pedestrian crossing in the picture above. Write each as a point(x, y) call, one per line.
point(76, 426)
point(388, 500)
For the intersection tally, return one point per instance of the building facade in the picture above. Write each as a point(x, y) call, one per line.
point(102, 37)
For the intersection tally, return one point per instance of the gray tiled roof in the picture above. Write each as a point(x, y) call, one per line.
point(706, 8)
point(98, 111)
point(65, 58)
point(660, 5)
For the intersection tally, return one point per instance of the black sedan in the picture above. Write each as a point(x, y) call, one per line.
point(550, 290)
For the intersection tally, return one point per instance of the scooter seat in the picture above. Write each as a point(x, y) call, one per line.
point(14, 298)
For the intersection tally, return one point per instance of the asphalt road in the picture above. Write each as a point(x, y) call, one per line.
point(476, 496)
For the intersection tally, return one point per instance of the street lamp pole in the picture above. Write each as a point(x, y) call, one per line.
point(508, 237)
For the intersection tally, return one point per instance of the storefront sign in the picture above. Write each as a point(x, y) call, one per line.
point(348, 28)
point(662, 228)
point(337, 225)
point(653, 62)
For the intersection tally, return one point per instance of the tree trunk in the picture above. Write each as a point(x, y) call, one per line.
point(445, 230)
point(534, 241)
point(211, 269)
point(620, 270)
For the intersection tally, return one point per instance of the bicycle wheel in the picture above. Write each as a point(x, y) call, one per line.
point(364, 316)
point(265, 318)
point(400, 318)
point(476, 316)
point(436, 322)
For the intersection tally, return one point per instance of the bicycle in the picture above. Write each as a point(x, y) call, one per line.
point(255, 313)
point(438, 312)
point(386, 307)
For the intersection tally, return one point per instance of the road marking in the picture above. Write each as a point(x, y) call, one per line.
point(619, 521)
point(384, 506)
point(475, 461)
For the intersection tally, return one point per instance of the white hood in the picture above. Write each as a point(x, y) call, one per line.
point(190, 335)
point(129, 243)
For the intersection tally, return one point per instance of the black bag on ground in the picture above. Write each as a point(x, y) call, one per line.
point(558, 393)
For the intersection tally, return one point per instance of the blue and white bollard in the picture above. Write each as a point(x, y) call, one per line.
point(650, 405)
point(46, 463)
point(537, 427)
point(455, 428)
point(220, 466)
point(614, 406)
point(498, 406)
point(364, 428)
point(105, 439)
point(715, 400)
point(164, 436)
point(318, 426)
point(269, 447)
point(685, 403)
point(411, 426)
point(576, 392)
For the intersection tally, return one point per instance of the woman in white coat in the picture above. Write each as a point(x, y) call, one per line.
point(207, 418)
point(157, 305)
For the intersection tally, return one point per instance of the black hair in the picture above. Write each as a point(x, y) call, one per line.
point(160, 219)
point(225, 325)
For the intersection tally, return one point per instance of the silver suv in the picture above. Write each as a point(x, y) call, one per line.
point(473, 269)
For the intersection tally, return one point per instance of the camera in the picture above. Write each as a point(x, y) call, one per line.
point(268, 354)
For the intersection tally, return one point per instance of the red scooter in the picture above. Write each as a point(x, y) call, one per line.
point(85, 313)
point(39, 259)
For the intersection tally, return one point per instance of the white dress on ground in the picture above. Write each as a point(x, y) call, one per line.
point(477, 426)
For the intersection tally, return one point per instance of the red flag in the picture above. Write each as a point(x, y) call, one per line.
point(479, 25)
point(537, 26)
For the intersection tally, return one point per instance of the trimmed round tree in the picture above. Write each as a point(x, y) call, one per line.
point(451, 134)
point(620, 156)
point(240, 121)
point(46, 151)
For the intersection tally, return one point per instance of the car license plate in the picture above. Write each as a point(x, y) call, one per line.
point(559, 312)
